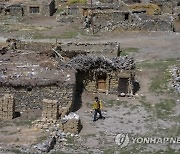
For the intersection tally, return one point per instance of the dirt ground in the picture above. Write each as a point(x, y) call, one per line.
point(153, 112)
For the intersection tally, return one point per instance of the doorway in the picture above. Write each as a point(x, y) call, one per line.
point(101, 82)
point(123, 85)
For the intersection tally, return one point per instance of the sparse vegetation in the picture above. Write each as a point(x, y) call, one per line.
point(4, 124)
point(127, 51)
point(16, 151)
point(57, 152)
point(112, 102)
point(64, 35)
point(41, 138)
point(159, 82)
point(69, 2)
point(110, 150)
point(165, 108)
point(27, 122)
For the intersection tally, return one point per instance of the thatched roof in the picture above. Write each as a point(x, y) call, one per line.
point(27, 68)
point(101, 63)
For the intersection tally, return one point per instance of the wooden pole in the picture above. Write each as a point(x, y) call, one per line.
point(92, 22)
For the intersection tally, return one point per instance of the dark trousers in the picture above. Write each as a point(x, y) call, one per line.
point(95, 113)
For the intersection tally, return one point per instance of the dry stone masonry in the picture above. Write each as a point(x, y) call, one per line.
point(175, 81)
point(7, 107)
point(50, 109)
point(71, 123)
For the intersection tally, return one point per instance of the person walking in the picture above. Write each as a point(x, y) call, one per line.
point(97, 106)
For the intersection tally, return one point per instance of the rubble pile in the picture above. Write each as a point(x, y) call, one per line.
point(86, 63)
point(7, 107)
point(50, 109)
point(45, 123)
point(46, 146)
point(175, 83)
point(56, 139)
point(71, 123)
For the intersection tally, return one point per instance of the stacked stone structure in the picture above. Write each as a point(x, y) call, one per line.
point(7, 107)
point(50, 109)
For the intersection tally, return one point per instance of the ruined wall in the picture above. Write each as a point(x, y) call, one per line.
point(109, 49)
point(11, 9)
point(107, 21)
point(7, 107)
point(31, 97)
point(72, 49)
point(50, 109)
point(34, 46)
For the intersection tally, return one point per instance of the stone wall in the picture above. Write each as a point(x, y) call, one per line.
point(107, 48)
point(46, 8)
point(112, 82)
point(50, 109)
point(31, 97)
point(72, 49)
point(108, 21)
point(7, 107)
point(71, 123)
point(34, 46)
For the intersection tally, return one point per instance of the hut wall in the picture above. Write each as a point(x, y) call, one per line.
point(31, 97)
point(112, 83)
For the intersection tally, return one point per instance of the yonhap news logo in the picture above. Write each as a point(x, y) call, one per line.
point(123, 140)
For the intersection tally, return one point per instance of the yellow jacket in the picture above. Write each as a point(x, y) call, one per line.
point(97, 105)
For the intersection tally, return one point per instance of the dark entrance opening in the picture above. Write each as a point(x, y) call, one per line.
point(123, 86)
point(79, 88)
point(126, 16)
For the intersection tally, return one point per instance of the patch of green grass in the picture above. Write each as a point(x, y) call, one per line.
point(160, 64)
point(110, 150)
point(64, 35)
point(70, 140)
point(174, 131)
point(147, 105)
point(89, 135)
point(127, 51)
point(165, 108)
point(69, 34)
point(4, 131)
point(167, 151)
point(159, 82)
point(113, 102)
point(16, 151)
point(59, 10)
point(27, 122)
point(76, 1)
point(57, 152)
point(12, 133)
point(41, 138)
point(4, 124)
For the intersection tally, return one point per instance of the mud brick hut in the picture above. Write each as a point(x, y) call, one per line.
point(100, 74)
point(31, 77)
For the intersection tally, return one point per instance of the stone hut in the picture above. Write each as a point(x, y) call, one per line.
point(28, 8)
point(39, 7)
point(31, 77)
point(100, 74)
point(11, 9)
